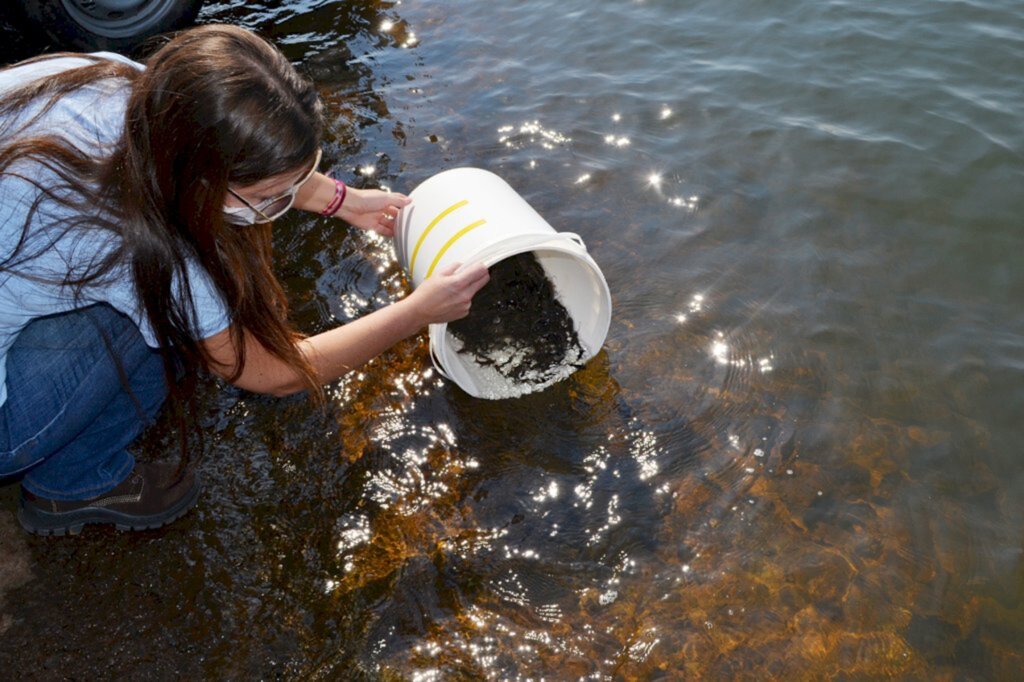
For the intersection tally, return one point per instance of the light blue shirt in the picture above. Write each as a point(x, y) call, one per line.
point(91, 118)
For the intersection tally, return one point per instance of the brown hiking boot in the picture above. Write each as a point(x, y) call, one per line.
point(150, 497)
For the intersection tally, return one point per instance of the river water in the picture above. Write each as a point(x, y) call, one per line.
point(797, 457)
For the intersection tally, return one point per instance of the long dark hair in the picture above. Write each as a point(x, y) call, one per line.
point(215, 105)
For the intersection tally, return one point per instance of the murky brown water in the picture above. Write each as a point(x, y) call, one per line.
point(796, 458)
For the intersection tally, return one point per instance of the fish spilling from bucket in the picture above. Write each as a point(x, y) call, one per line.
point(518, 327)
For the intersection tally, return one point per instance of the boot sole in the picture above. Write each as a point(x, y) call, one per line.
point(40, 522)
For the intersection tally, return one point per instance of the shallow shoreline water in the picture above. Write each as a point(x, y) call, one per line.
point(797, 456)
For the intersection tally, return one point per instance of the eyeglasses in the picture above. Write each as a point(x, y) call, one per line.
point(272, 208)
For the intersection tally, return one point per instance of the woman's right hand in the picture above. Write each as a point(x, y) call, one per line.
point(446, 295)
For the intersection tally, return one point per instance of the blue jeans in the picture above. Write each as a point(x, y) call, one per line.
point(68, 418)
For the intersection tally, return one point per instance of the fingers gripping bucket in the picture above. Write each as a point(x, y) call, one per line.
point(469, 215)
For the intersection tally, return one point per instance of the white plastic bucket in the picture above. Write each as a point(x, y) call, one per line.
point(470, 215)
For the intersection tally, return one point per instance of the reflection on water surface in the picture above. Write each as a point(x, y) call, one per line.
point(796, 456)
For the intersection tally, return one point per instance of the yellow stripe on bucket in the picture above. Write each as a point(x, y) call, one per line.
point(447, 245)
point(431, 226)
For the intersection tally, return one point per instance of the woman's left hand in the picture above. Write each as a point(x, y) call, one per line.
point(372, 210)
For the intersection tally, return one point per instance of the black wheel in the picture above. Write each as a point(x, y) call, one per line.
point(117, 25)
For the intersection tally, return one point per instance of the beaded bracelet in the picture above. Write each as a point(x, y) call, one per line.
point(339, 198)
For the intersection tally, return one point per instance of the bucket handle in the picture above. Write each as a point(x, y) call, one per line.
point(574, 237)
point(436, 362)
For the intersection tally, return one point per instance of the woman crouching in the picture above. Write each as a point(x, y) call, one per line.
point(136, 205)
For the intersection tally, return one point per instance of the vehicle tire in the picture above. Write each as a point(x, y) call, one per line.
point(118, 25)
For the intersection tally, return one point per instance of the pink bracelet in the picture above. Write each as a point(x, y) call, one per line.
point(339, 198)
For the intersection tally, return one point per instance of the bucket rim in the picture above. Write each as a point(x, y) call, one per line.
point(495, 252)
point(559, 241)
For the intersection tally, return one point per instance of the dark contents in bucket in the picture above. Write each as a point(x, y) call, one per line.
point(518, 326)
